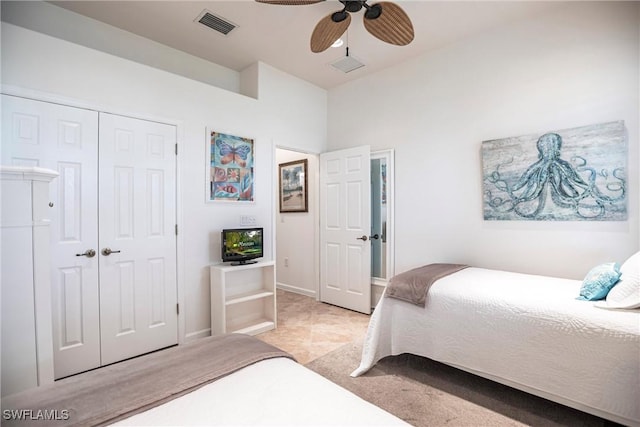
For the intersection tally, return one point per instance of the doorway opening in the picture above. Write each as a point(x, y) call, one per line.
point(296, 233)
point(382, 222)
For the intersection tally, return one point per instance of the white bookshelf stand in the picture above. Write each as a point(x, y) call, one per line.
point(243, 298)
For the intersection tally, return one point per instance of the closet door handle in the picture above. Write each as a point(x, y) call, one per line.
point(375, 236)
point(89, 253)
point(108, 251)
point(363, 238)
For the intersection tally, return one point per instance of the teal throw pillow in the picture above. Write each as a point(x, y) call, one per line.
point(599, 281)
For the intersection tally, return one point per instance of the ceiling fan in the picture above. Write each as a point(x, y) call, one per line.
point(384, 20)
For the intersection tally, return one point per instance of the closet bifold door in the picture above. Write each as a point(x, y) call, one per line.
point(113, 218)
point(137, 199)
point(64, 139)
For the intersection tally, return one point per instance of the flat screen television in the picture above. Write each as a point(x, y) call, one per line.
point(242, 245)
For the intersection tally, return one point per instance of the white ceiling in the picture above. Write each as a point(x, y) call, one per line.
point(279, 35)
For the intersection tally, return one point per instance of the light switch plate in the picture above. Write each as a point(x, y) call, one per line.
point(247, 220)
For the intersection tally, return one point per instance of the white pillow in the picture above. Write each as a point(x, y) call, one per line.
point(626, 293)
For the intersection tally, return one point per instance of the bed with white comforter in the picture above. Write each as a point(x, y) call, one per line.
point(522, 330)
point(223, 380)
point(274, 392)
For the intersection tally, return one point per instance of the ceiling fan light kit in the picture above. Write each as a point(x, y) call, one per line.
point(385, 21)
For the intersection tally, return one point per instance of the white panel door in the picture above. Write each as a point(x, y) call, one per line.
point(345, 223)
point(64, 139)
point(138, 284)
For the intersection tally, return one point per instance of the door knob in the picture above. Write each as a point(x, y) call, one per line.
point(89, 253)
point(108, 251)
point(363, 238)
point(375, 236)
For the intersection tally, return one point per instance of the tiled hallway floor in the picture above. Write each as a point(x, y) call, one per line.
point(309, 329)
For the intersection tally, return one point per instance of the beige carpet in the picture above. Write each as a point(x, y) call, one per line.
point(427, 393)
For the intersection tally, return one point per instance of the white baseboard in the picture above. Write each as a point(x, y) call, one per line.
point(296, 290)
point(192, 336)
point(376, 291)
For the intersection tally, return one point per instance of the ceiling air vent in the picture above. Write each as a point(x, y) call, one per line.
point(215, 22)
point(347, 64)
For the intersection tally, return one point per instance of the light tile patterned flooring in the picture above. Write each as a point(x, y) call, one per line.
point(308, 329)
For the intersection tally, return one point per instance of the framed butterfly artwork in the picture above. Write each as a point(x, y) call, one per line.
point(231, 172)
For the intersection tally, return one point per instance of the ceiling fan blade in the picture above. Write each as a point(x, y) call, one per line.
point(392, 25)
point(328, 31)
point(290, 2)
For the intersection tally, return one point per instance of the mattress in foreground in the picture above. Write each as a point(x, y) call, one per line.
point(231, 379)
point(272, 392)
point(523, 330)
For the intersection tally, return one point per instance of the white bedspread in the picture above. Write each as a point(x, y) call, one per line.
point(523, 330)
point(274, 392)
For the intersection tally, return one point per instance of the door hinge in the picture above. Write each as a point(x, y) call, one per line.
point(178, 309)
point(176, 229)
point(176, 149)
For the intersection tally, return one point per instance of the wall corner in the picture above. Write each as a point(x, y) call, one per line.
point(249, 81)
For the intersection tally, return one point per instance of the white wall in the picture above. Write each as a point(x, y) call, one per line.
point(46, 65)
point(293, 103)
point(63, 24)
point(575, 67)
point(296, 240)
point(297, 106)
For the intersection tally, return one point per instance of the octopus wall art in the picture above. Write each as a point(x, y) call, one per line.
point(572, 174)
point(231, 167)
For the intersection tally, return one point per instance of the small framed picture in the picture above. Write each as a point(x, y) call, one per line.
point(293, 186)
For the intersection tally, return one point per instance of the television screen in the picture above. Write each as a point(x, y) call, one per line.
point(241, 245)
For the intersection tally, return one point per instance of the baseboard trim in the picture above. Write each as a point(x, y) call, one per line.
point(192, 336)
point(296, 290)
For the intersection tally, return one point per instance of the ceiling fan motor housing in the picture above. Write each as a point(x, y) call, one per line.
point(353, 5)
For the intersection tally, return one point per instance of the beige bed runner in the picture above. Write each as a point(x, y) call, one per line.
point(412, 286)
point(118, 391)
